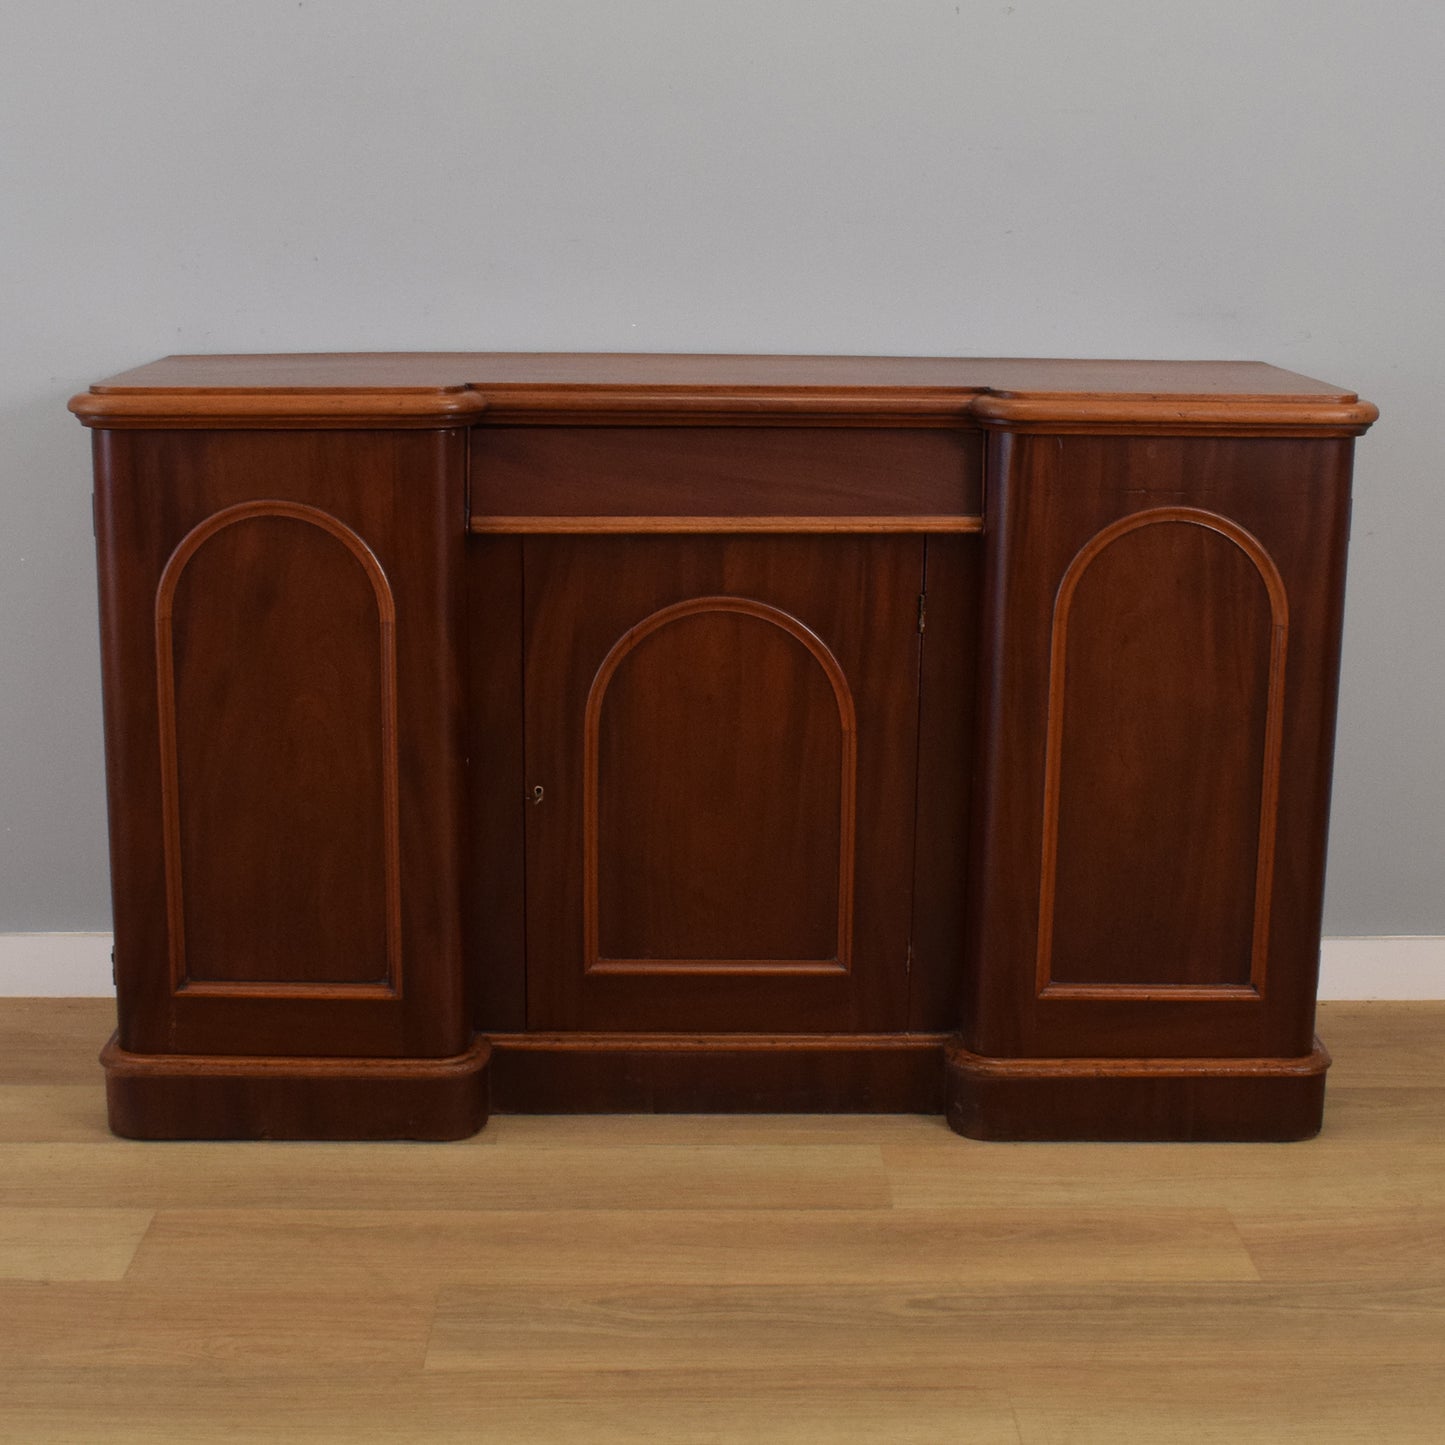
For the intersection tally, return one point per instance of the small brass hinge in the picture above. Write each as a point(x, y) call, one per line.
point(922, 611)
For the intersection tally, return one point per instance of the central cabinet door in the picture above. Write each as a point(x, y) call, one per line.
point(721, 739)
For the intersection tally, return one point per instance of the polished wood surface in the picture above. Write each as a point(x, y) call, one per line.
point(429, 371)
point(431, 389)
point(722, 1277)
point(680, 478)
point(276, 662)
point(724, 744)
point(947, 721)
point(576, 1072)
point(1170, 627)
point(281, 633)
point(1274, 1100)
point(734, 732)
point(495, 894)
point(180, 1096)
point(1139, 589)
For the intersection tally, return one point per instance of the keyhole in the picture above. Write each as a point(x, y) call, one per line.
point(537, 794)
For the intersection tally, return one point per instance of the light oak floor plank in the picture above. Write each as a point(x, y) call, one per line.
point(1405, 1244)
point(129, 1174)
point(603, 1131)
point(53, 1114)
point(1383, 1044)
point(722, 1279)
point(1352, 1172)
point(1386, 1114)
point(230, 1328)
point(1289, 1418)
point(177, 1408)
point(53, 1040)
point(969, 1335)
point(68, 1244)
point(404, 1249)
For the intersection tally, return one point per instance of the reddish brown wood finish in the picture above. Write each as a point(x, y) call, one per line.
point(176, 1096)
point(582, 1073)
point(1275, 1100)
point(723, 730)
point(787, 841)
point(551, 478)
point(431, 389)
point(948, 707)
point(1236, 620)
point(276, 661)
point(281, 628)
point(1166, 686)
point(496, 874)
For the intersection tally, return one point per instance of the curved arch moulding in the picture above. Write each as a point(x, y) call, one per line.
point(757, 714)
point(275, 631)
point(1169, 626)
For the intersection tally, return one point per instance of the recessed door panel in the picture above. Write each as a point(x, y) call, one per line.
point(720, 756)
point(1169, 651)
point(717, 720)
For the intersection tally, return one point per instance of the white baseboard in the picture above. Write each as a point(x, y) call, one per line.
point(55, 965)
point(1405, 967)
point(77, 965)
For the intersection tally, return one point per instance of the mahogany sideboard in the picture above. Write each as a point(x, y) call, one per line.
point(599, 733)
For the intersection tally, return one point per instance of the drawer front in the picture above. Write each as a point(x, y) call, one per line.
point(700, 479)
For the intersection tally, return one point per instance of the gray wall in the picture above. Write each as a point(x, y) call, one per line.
point(1244, 178)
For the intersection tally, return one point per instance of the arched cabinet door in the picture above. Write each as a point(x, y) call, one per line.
point(720, 764)
point(281, 645)
point(1160, 664)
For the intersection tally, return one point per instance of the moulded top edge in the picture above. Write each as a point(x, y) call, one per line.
point(440, 388)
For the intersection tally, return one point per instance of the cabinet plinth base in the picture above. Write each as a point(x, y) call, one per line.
point(1244, 1100)
point(596, 1073)
point(193, 1096)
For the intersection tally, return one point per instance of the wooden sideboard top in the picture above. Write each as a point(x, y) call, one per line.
point(430, 389)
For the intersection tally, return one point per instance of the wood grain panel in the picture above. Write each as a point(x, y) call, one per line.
point(694, 1073)
point(275, 653)
point(725, 808)
point(1144, 820)
point(280, 718)
point(1173, 1099)
point(182, 1096)
point(495, 895)
point(1166, 692)
point(582, 478)
point(623, 524)
point(746, 708)
point(948, 683)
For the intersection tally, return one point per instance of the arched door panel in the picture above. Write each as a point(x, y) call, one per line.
point(722, 836)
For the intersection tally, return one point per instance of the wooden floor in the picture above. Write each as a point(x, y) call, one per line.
point(724, 1279)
